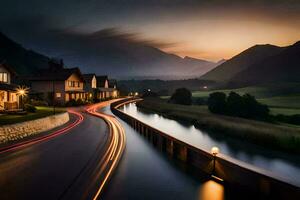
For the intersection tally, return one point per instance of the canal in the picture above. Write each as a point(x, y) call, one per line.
point(145, 173)
point(283, 165)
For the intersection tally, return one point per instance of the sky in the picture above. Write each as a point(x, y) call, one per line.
point(209, 30)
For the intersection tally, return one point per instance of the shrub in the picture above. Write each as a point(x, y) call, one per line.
point(29, 108)
point(244, 106)
point(290, 119)
point(181, 96)
point(217, 102)
point(71, 103)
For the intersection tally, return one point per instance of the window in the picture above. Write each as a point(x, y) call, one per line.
point(70, 83)
point(3, 77)
point(58, 95)
point(78, 84)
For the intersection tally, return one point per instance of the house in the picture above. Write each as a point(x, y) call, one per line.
point(112, 83)
point(104, 89)
point(57, 84)
point(90, 86)
point(9, 98)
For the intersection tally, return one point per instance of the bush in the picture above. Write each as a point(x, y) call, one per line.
point(244, 106)
point(290, 119)
point(29, 108)
point(217, 102)
point(181, 96)
point(71, 103)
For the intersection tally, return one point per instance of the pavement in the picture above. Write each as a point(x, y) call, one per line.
point(62, 167)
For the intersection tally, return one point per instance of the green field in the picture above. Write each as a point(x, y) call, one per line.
point(40, 112)
point(281, 98)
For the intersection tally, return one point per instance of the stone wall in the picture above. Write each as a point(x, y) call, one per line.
point(21, 130)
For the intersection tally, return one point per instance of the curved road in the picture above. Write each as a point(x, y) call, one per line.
point(73, 165)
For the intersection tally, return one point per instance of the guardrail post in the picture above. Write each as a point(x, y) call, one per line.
point(182, 153)
point(170, 147)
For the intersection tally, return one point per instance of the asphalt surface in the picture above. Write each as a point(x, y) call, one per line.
point(57, 168)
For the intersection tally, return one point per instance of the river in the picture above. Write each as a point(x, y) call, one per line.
point(283, 165)
point(145, 173)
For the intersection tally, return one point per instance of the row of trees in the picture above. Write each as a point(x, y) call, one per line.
point(245, 106)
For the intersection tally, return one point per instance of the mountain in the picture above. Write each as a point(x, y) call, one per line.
point(22, 60)
point(230, 68)
point(117, 54)
point(282, 67)
point(123, 56)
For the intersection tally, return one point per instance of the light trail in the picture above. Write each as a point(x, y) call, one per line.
point(20, 145)
point(116, 146)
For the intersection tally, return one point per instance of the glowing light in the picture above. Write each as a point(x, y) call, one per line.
point(136, 94)
point(214, 151)
point(211, 190)
point(149, 90)
point(204, 87)
point(116, 147)
point(63, 130)
point(22, 91)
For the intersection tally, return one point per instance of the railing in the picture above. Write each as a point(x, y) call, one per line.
point(229, 170)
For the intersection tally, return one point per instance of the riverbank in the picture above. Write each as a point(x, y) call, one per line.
point(275, 136)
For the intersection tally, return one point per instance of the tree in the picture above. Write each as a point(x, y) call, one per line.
point(181, 96)
point(217, 102)
point(254, 109)
point(235, 104)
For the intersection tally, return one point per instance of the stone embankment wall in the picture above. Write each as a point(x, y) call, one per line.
point(21, 130)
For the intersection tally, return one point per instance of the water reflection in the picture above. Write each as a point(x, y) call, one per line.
point(211, 190)
point(285, 165)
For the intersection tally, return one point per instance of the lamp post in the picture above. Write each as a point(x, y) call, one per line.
point(22, 91)
point(53, 90)
point(214, 152)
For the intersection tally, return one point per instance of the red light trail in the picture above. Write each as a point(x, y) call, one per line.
point(20, 145)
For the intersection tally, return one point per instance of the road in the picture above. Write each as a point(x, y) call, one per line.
point(73, 165)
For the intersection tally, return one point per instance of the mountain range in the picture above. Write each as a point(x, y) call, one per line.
point(106, 52)
point(259, 64)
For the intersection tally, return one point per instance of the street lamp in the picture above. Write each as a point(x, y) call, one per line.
point(214, 152)
point(22, 91)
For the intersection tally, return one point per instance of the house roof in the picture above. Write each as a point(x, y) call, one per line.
point(61, 74)
point(101, 80)
point(88, 77)
point(8, 87)
point(112, 83)
point(8, 67)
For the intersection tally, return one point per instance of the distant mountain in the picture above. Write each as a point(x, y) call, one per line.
point(22, 60)
point(230, 68)
point(282, 67)
point(117, 54)
point(122, 55)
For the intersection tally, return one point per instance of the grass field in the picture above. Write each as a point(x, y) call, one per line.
point(277, 136)
point(281, 98)
point(40, 112)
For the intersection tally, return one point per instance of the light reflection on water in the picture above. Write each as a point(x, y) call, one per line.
point(287, 166)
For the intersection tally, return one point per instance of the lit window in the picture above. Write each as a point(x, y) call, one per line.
point(3, 77)
point(58, 94)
